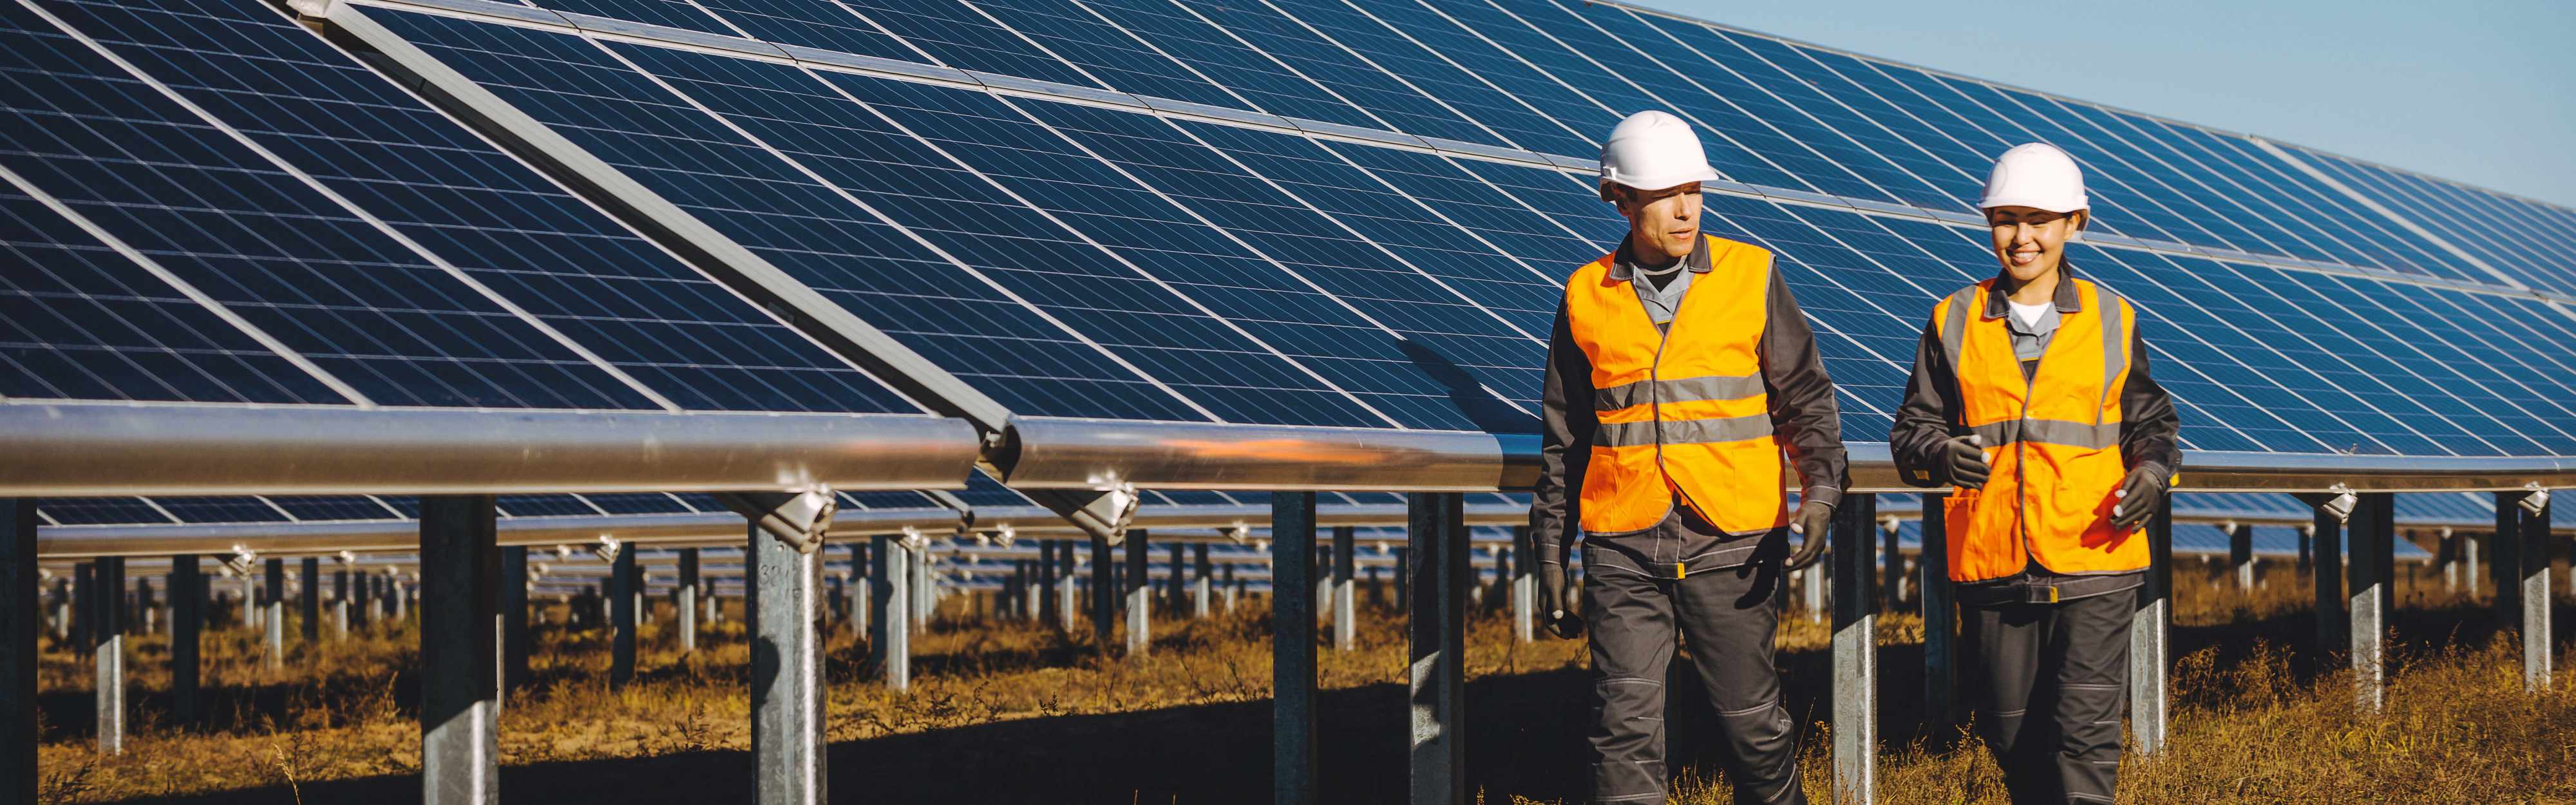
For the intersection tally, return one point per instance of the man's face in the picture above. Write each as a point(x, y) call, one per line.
point(1663, 224)
point(2030, 241)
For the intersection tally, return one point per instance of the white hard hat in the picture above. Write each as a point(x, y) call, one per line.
point(1654, 150)
point(2036, 175)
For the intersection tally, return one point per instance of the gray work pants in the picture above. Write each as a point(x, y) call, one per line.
point(1728, 615)
point(2051, 683)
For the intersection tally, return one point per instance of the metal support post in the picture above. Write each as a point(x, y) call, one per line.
point(1436, 629)
point(1891, 565)
point(2150, 638)
point(786, 669)
point(1104, 607)
point(1140, 596)
point(513, 611)
point(249, 601)
point(2372, 539)
point(2326, 569)
point(1068, 590)
point(460, 687)
point(363, 585)
point(1940, 618)
point(1048, 611)
point(1292, 648)
point(187, 623)
point(1403, 575)
point(2469, 549)
point(272, 614)
point(862, 599)
point(1177, 573)
point(621, 617)
point(20, 622)
point(920, 592)
point(1524, 586)
point(1202, 597)
point(1813, 590)
point(1855, 644)
point(687, 602)
point(107, 631)
point(889, 605)
point(143, 602)
point(1346, 623)
point(2538, 645)
point(311, 600)
point(340, 602)
point(2240, 554)
point(1232, 589)
point(84, 591)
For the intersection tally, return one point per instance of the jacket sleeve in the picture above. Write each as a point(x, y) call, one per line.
point(2150, 430)
point(1565, 444)
point(1923, 419)
point(1805, 417)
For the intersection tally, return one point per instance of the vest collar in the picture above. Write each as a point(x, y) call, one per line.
point(1623, 264)
point(2068, 301)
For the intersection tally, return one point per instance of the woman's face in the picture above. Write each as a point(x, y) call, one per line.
point(2030, 241)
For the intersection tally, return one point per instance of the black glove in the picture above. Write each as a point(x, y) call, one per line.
point(1815, 520)
point(1556, 603)
point(1965, 457)
point(2138, 497)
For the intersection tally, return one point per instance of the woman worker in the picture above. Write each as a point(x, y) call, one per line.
point(2030, 400)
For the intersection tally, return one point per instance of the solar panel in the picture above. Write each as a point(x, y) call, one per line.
point(386, 253)
point(1353, 281)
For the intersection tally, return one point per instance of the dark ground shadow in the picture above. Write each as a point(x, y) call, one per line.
point(1524, 737)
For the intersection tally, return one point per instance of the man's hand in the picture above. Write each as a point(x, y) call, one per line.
point(1556, 603)
point(1966, 461)
point(2139, 496)
point(1815, 520)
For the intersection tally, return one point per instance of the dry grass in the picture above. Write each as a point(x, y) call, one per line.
point(2255, 721)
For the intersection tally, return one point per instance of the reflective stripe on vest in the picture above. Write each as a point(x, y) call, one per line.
point(1681, 413)
point(2052, 439)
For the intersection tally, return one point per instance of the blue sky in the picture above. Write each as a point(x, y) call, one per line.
point(2482, 92)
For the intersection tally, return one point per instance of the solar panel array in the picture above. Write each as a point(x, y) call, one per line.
point(1309, 212)
point(209, 204)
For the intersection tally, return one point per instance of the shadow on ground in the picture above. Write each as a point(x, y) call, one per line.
point(1524, 736)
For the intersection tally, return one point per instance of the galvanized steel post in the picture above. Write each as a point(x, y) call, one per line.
point(20, 623)
point(2538, 646)
point(1524, 587)
point(272, 613)
point(340, 601)
point(2371, 543)
point(460, 689)
point(889, 605)
point(311, 600)
point(1346, 623)
point(2240, 554)
point(621, 617)
point(1202, 594)
point(1104, 607)
point(1140, 596)
point(1855, 605)
point(2150, 634)
point(1177, 572)
point(1436, 631)
point(786, 670)
point(513, 611)
point(187, 622)
point(687, 600)
point(1941, 702)
point(2326, 571)
point(107, 633)
point(1292, 648)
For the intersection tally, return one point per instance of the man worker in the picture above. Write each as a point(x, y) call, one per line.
point(1679, 369)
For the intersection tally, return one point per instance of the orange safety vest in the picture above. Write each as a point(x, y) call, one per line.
point(1681, 413)
point(2052, 439)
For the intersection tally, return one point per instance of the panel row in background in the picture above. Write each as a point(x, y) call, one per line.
point(207, 203)
point(980, 491)
point(1551, 76)
point(1240, 274)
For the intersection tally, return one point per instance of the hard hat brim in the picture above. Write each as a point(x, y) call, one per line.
point(2057, 205)
point(1703, 173)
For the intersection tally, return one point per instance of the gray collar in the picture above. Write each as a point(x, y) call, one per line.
point(2067, 300)
point(1624, 266)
